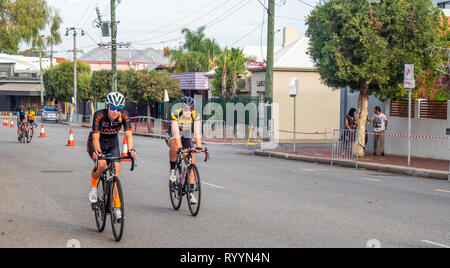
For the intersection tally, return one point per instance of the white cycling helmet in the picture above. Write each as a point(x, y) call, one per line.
point(115, 99)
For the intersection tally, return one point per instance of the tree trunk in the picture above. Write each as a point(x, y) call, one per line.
point(224, 83)
point(92, 109)
point(149, 121)
point(234, 84)
point(362, 119)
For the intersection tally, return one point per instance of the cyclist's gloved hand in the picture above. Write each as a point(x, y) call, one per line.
point(96, 155)
point(132, 153)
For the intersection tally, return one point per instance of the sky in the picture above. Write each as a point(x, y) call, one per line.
point(158, 23)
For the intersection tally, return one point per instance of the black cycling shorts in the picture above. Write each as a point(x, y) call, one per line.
point(185, 142)
point(108, 145)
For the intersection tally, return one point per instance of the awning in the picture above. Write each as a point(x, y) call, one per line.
point(20, 89)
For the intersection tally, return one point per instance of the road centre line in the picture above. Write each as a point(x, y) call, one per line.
point(435, 244)
point(442, 191)
point(220, 187)
point(372, 180)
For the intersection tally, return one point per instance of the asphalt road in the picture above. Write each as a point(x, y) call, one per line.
point(247, 201)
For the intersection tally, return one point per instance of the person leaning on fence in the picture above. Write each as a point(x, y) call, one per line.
point(380, 123)
point(350, 128)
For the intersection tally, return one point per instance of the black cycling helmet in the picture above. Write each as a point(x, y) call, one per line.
point(189, 101)
point(21, 107)
point(29, 108)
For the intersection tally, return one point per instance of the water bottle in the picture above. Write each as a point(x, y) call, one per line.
point(182, 175)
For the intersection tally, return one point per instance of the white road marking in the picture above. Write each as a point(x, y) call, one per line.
point(435, 244)
point(220, 187)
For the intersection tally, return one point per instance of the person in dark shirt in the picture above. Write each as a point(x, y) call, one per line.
point(104, 139)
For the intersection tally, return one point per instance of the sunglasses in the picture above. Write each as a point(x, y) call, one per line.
point(114, 108)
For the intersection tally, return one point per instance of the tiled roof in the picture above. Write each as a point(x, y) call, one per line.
point(148, 55)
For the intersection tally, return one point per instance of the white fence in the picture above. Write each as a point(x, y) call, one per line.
point(427, 145)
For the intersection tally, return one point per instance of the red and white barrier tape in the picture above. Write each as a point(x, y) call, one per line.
point(406, 136)
point(306, 133)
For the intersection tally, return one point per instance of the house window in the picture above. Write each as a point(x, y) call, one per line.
point(261, 83)
point(444, 5)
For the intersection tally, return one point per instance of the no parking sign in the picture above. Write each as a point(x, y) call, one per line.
point(409, 82)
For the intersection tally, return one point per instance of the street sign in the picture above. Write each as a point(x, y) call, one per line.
point(293, 86)
point(409, 82)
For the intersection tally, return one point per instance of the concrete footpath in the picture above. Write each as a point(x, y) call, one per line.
point(411, 171)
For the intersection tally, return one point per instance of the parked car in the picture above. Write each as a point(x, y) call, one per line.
point(51, 113)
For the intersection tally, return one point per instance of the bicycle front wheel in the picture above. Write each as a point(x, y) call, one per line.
point(117, 223)
point(175, 192)
point(193, 190)
point(100, 206)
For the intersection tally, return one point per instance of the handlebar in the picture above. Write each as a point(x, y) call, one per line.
point(193, 150)
point(110, 158)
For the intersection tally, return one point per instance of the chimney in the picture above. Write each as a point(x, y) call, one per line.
point(290, 36)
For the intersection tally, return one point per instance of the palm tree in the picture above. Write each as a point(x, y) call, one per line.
point(55, 37)
point(196, 53)
point(237, 66)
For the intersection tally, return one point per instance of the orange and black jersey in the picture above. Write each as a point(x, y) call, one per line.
point(103, 126)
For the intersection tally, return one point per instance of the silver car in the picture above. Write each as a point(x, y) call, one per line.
point(50, 113)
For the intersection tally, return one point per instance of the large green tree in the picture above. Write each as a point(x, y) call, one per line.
point(21, 21)
point(365, 44)
point(58, 81)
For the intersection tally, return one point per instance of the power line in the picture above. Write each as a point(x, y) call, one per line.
point(231, 12)
point(288, 18)
point(178, 29)
point(209, 24)
point(247, 34)
point(262, 31)
point(303, 2)
point(177, 20)
point(85, 12)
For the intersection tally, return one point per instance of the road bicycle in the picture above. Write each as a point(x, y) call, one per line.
point(30, 132)
point(23, 137)
point(183, 171)
point(105, 192)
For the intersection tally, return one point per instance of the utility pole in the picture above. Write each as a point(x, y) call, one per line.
point(41, 75)
point(41, 72)
point(75, 51)
point(270, 50)
point(114, 46)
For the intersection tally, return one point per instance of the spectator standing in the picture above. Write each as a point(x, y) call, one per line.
point(380, 124)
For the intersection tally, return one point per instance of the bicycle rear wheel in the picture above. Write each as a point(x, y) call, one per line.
point(100, 206)
point(29, 135)
point(195, 190)
point(175, 192)
point(117, 224)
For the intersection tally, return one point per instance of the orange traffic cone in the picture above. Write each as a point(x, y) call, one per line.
point(42, 132)
point(71, 142)
point(12, 123)
point(125, 150)
point(4, 121)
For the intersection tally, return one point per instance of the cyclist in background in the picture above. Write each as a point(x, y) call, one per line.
point(21, 119)
point(184, 122)
point(31, 116)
